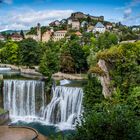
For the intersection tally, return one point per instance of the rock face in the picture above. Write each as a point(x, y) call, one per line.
point(105, 79)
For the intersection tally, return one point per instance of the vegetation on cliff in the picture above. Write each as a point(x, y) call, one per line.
point(116, 117)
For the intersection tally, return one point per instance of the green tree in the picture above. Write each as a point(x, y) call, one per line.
point(106, 40)
point(22, 34)
point(78, 56)
point(49, 63)
point(29, 52)
point(66, 62)
point(10, 53)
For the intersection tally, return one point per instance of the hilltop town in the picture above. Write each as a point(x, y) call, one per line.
point(78, 23)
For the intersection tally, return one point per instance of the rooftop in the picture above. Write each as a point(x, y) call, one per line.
point(99, 25)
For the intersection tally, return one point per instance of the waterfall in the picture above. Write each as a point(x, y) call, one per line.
point(23, 97)
point(25, 100)
point(65, 106)
point(2, 69)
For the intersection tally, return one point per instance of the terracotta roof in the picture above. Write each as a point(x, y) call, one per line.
point(109, 24)
point(78, 33)
point(16, 36)
point(61, 31)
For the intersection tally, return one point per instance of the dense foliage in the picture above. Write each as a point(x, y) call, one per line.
point(118, 116)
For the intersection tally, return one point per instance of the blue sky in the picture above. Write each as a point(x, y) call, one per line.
point(22, 14)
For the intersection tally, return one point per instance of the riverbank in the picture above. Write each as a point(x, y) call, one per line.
point(61, 76)
point(22, 69)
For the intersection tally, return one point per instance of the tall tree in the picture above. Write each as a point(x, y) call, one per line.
point(22, 34)
point(29, 52)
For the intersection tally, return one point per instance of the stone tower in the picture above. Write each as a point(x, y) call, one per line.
point(38, 32)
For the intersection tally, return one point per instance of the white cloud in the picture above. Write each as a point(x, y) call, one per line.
point(127, 9)
point(127, 12)
point(24, 19)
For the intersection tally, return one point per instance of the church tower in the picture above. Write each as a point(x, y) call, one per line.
point(38, 32)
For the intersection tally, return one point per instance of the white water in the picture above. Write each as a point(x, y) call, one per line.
point(2, 69)
point(64, 82)
point(21, 98)
point(65, 107)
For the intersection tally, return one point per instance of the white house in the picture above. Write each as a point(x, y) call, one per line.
point(136, 29)
point(109, 26)
point(99, 27)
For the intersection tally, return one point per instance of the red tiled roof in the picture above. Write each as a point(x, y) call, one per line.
point(61, 31)
point(78, 33)
point(16, 36)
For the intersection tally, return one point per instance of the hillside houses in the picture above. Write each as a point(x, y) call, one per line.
point(76, 24)
point(16, 37)
point(2, 38)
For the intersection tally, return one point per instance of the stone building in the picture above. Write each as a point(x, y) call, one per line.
point(80, 15)
point(36, 36)
point(55, 23)
point(38, 32)
point(58, 35)
point(46, 36)
point(16, 37)
point(75, 24)
point(109, 26)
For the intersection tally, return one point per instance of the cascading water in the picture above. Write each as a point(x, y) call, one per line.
point(23, 97)
point(65, 106)
point(25, 100)
point(5, 69)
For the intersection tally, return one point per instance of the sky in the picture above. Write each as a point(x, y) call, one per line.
point(23, 14)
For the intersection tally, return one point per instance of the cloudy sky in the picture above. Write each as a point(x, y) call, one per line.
point(23, 14)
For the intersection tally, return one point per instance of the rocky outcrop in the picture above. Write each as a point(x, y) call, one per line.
point(105, 79)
